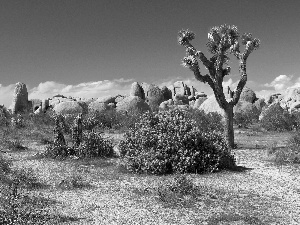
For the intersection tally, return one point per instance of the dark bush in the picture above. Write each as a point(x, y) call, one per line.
point(206, 122)
point(294, 147)
point(275, 118)
point(246, 118)
point(170, 141)
point(94, 145)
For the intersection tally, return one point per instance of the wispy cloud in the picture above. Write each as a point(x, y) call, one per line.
point(83, 90)
point(279, 85)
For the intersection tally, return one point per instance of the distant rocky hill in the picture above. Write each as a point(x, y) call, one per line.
point(144, 96)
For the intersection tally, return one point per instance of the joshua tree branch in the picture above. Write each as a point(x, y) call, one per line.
point(198, 54)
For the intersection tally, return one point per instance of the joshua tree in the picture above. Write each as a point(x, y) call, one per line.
point(222, 40)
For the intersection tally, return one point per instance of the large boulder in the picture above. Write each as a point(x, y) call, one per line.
point(193, 91)
point(154, 96)
point(268, 109)
point(97, 106)
point(248, 95)
point(292, 94)
point(68, 107)
point(145, 87)
point(181, 98)
point(132, 103)
point(20, 99)
point(245, 107)
point(137, 90)
point(58, 99)
point(211, 105)
point(260, 103)
point(199, 102)
point(107, 99)
point(167, 93)
point(179, 87)
point(274, 98)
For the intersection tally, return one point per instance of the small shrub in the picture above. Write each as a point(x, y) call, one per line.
point(58, 151)
point(4, 166)
point(169, 141)
point(296, 119)
point(294, 147)
point(94, 145)
point(246, 118)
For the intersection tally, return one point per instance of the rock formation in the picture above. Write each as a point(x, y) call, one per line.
point(68, 107)
point(97, 106)
point(248, 95)
point(132, 103)
point(167, 93)
point(20, 99)
point(154, 96)
point(137, 90)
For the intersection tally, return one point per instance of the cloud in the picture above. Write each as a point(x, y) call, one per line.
point(279, 85)
point(6, 94)
point(84, 90)
point(281, 82)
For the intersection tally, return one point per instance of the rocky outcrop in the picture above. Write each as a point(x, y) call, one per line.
point(154, 96)
point(260, 103)
point(145, 87)
point(211, 105)
point(132, 103)
point(248, 95)
point(198, 102)
point(292, 94)
point(274, 97)
point(180, 88)
point(245, 107)
point(137, 90)
point(167, 93)
point(273, 107)
point(180, 99)
point(97, 106)
point(20, 99)
point(68, 107)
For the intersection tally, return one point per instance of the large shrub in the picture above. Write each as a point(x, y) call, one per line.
point(169, 141)
point(275, 118)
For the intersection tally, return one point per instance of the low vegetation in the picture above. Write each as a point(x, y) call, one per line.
point(178, 144)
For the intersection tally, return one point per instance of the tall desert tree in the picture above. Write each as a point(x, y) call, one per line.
point(222, 41)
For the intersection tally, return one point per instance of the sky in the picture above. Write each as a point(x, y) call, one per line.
point(93, 48)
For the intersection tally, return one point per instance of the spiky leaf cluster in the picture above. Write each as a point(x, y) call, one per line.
point(221, 38)
point(184, 36)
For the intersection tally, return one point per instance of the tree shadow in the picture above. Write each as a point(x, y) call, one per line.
point(240, 169)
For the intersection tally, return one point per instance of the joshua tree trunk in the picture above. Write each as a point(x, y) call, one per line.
point(228, 129)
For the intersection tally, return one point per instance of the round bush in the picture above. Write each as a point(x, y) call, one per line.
point(169, 141)
point(276, 119)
